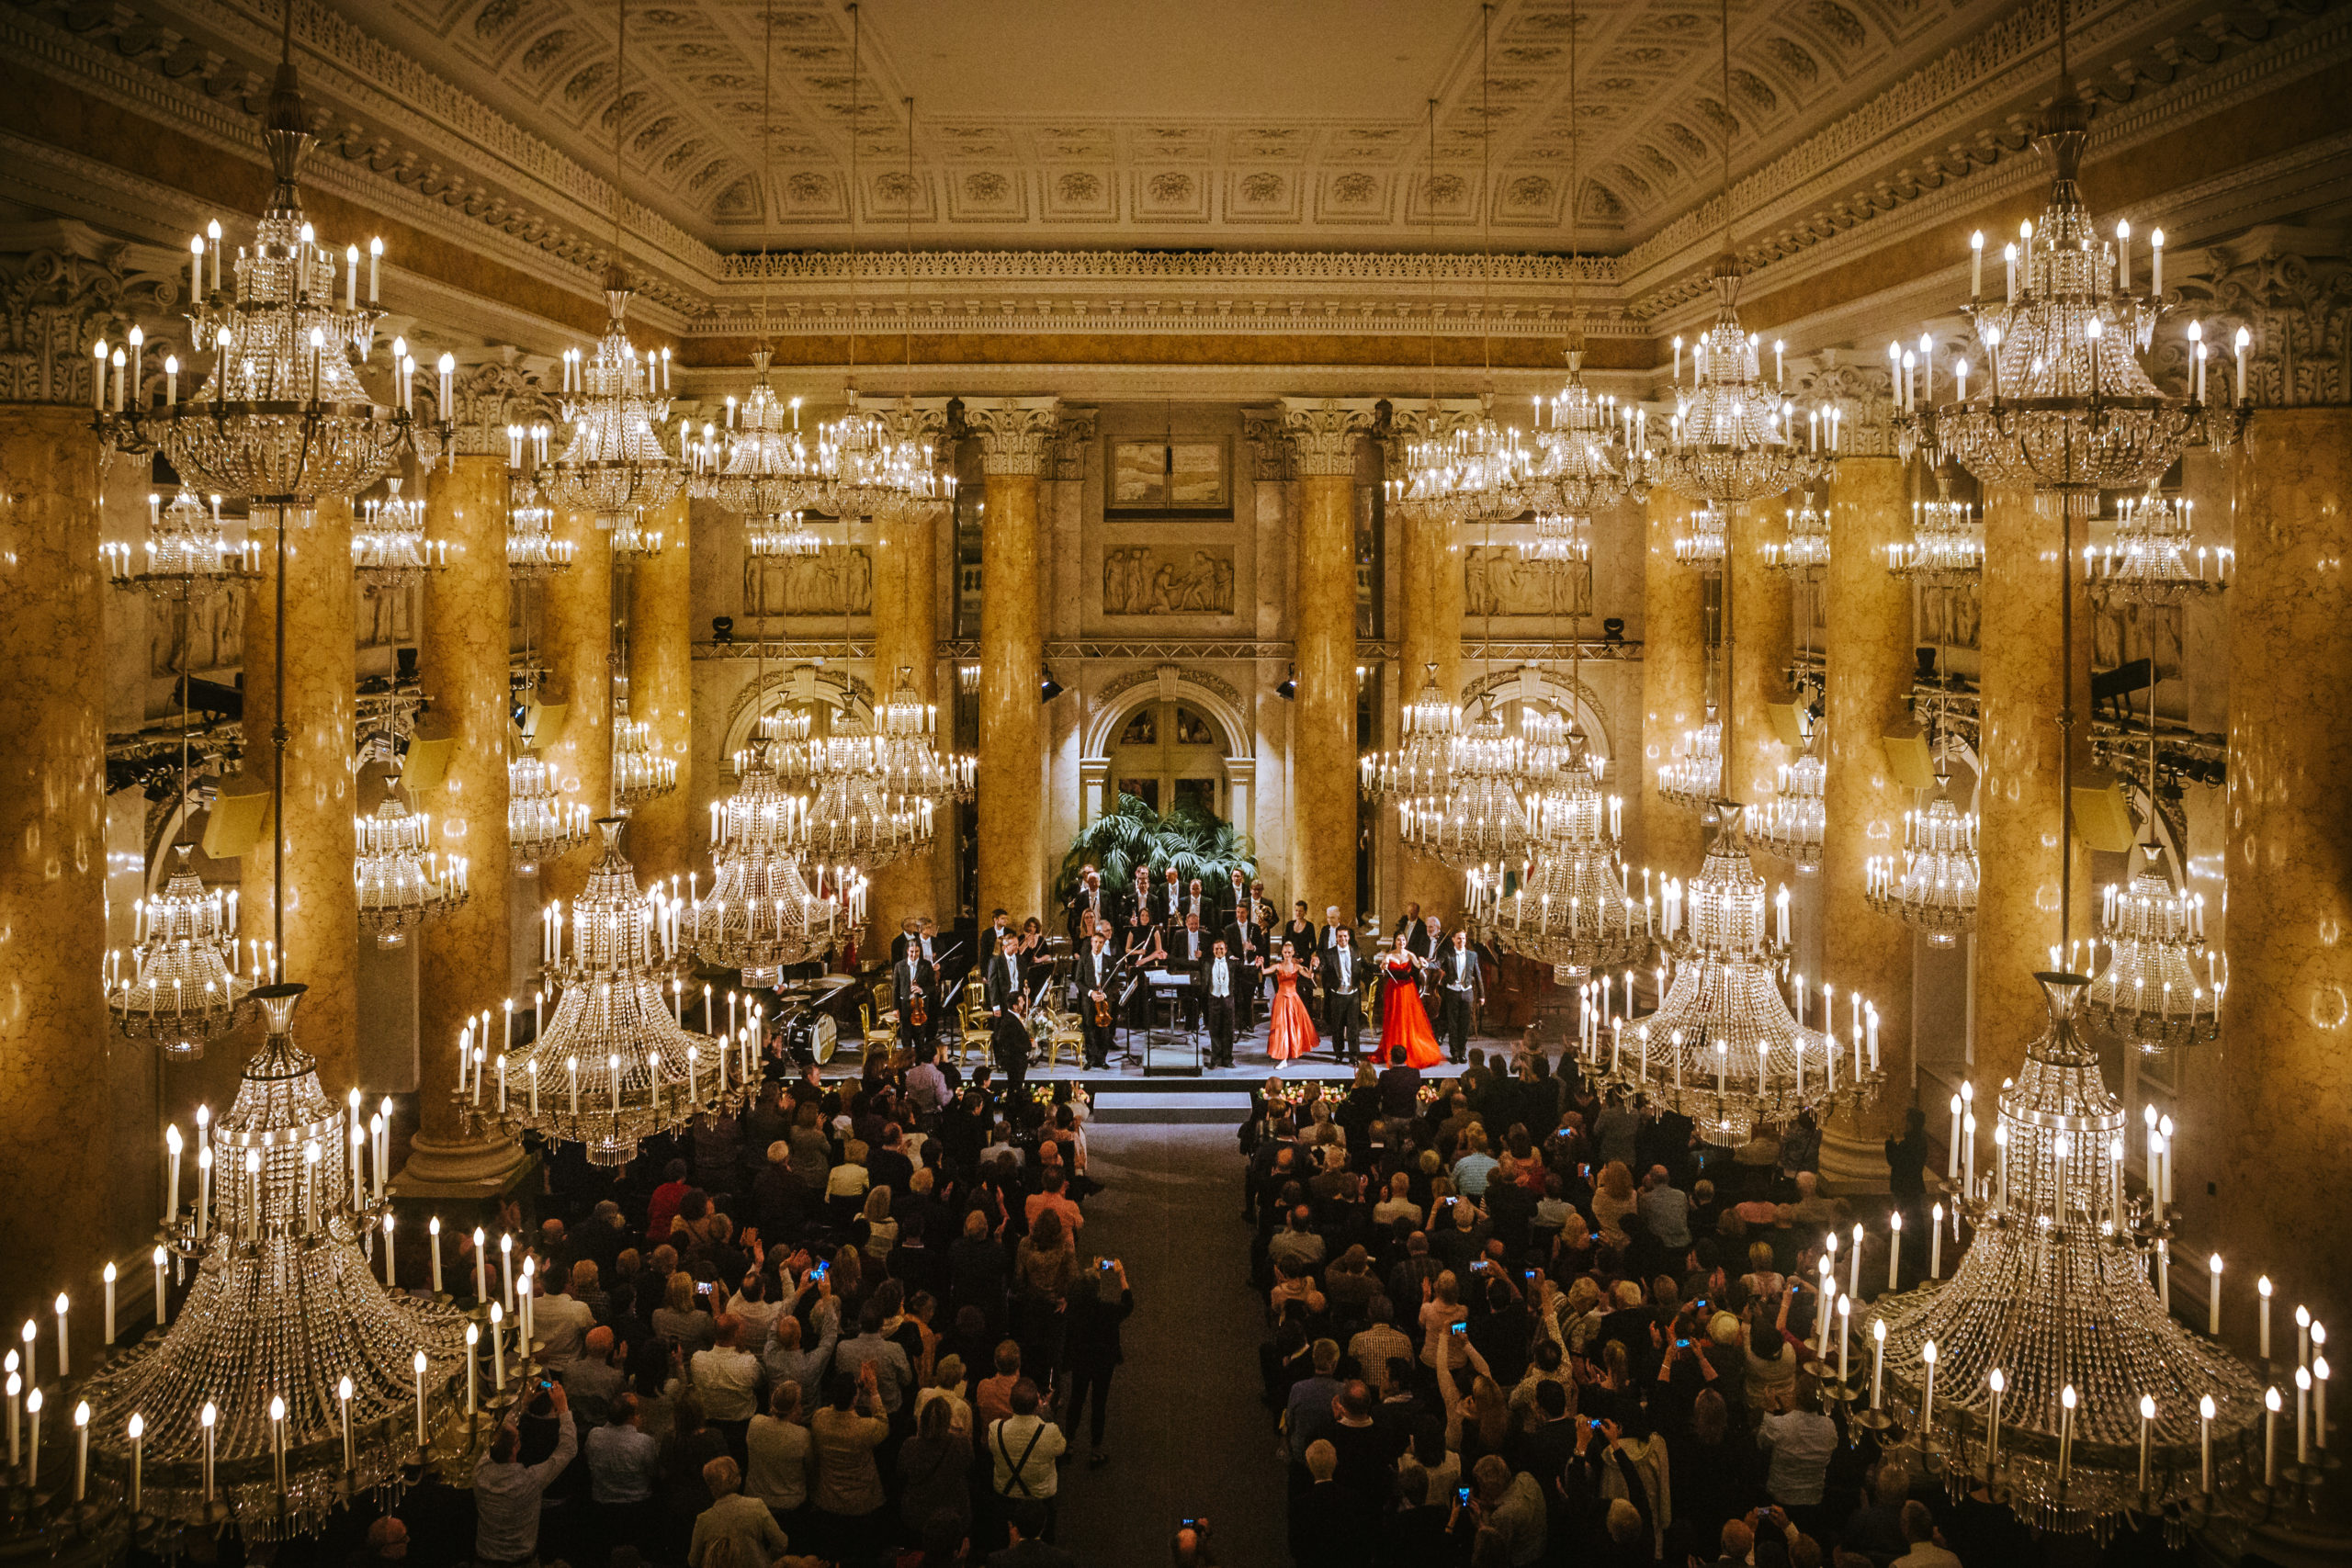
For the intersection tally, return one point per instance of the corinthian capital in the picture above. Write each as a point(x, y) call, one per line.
point(1016, 433)
point(1324, 430)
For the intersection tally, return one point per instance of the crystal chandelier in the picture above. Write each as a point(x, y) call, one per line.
point(187, 553)
point(873, 465)
point(759, 915)
point(761, 465)
point(1579, 919)
point(290, 1383)
point(907, 731)
point(1733, 438)
point(1933, 891)
point(1723, 1048)
point(640, 773)
point(1559, 538)
point(1947, 545)
point(183, 990)
point(282, 419)
point(859, 814)
point(1592, 449)
point(2064, 405)
point(1803, 555)
point(1703, 545)
point(632, 540)
point(389, 548)
point(613, 463)
point(2149, 561)
point(1474, 817)
point(1481, 470)
point(1790, 826)
point(2161, 987)
point(402, 882)
point(1428, 727)
point(533, 552)
point(614, 1064)
point(2057, 1369)
point(539, 825)
point(1694, 778)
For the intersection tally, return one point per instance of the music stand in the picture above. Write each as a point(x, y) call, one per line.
point(1168, 989)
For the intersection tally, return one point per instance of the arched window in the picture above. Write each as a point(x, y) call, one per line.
point(1167, 755)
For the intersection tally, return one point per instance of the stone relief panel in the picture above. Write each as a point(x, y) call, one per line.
point(1497, 583)
point(836, 580)
point(207, 635)
point(1152, 580)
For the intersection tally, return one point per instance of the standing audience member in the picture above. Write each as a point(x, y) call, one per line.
point(507, 1493)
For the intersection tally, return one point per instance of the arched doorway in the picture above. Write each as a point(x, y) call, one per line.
point(1168, 753)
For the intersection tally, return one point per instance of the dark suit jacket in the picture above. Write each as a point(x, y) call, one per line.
point(1259, 944)
point(925, 978)
point(1004, 980)
point(1327, 973)
point(1443, 979)
point(1087, 975)
point(1416, 936)
point(1179, 957)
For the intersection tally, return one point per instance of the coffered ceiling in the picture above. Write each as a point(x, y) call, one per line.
point(1216, 122)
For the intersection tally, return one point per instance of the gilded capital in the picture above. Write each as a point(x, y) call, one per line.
point(1016, 434)
point(1323, 432)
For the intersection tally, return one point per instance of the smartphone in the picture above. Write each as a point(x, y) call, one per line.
point(820, 1270)
point(704, 1287)
point(1107, 1263)
point(1459, 1330)
point(1462, 1497)
point(1682, 1344)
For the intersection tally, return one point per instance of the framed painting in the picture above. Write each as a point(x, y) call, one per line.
point(1164, 474)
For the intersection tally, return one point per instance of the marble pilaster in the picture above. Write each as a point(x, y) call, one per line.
point(1432, 598)
point(1323, 620)
point(1016, 439)
point(576, 615)
point(661, 691)
point(1674, 685)
point(906, 637)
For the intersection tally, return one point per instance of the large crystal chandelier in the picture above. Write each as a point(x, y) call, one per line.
point(1567, 906)
point(1947, 545)
point(1558, 537)
point(1933, 888)
point(1694, 778)
point(613, 1065)
point(762, 468)
point(907, 735)
point(1705, 543)
point(2150, 559)
point(1723, 1048)
point(2057, 1369)
point(290, 1383)
point(188, 554)
point(859, 814)
point(403, 880)
point(1428, 727)
point(1791, 825)
point(632, 540)
point(760, 914)
point(1475, 816)
point(184, 988)
point(2064, 405)
point(1593, 451)
point(2161, 987)
point(389, 548)
point(540, 826)
point(282, 419)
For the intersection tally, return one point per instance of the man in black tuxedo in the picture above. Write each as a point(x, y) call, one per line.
point(1095, 982)
point(1344, 978)
point(1246, 943)
point(1088, 902)
point(1432, 994)
point(1461, 985)
point(1237, 897)
point(1199, 903)
point(1002, 979)
point(1009, 1042)
point(993, 940)
point(1188, 948)
point(1168, 898)
point(1416, 934)
point(1220, 986)
point(913, 974)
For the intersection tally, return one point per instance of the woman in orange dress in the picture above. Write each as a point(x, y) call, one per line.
point(1404, 1023)
point(1290, 1031)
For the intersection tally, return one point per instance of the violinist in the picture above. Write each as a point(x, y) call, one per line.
point(915, 986)
point(1096, 990)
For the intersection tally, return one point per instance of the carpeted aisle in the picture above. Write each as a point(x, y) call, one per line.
point(1188, 1434)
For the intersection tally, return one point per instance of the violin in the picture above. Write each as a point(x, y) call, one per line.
point(1103, 1011)
point(917, 1014)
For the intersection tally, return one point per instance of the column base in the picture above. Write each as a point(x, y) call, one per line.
point(461, 1168)
point(1852, 1165)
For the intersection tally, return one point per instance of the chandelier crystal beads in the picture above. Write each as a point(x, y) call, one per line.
point(2155, 557)
point(1473, 816)
point(763, 467)
point(615, 402)
point(1733, 438)
point(640, 773)
point(533, 552)
point(403, 880)
point(1694, 777)
point(1592, 450)
point(1791, 825)
point(540, 826)
point(1703, 545)
point(860, 814)
point(1569, 907)
point(1947, 545)
point(187, 553)
point(183, 990)
point(389, 548)
point(1933, 890)
point(1803, 556)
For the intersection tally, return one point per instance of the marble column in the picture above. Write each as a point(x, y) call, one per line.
point(55, 1144)
point(906, 637)
point(1764, 640)
point(1674, 685)
point(1869, 670)
point(661, 691)
point(322, 922)
point(1431, 597)
point(462, 956)
point(576, 615)
point(1016, 437)
point(2276, 1078)
point(1323, 621)
point(2018, 803)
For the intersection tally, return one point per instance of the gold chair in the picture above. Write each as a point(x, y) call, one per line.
point(974, 1033)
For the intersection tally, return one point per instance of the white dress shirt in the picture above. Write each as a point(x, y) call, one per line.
point(1217, 978)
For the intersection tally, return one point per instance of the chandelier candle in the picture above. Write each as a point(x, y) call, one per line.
point(497, 1348)
point(342, 1401)
point(137, 1432)
point(392, 1273)
point(473, 1369)
point(1936, 1242)
point(482, 1266)
point(82, 1452)
point(32, 1424)
point(417, 1364)
point(1995, 1383)
point(163, 1297)
point(1928, 1398)
point(433, 1251)
point(109, 1278)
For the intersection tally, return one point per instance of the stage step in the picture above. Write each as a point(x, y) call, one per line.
point(1124, 1105)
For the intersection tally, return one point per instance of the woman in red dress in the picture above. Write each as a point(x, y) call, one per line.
point(1403, 1020)
point(1290, 1030)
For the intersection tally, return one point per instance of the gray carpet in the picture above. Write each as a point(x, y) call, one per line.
point(1187, 1433)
